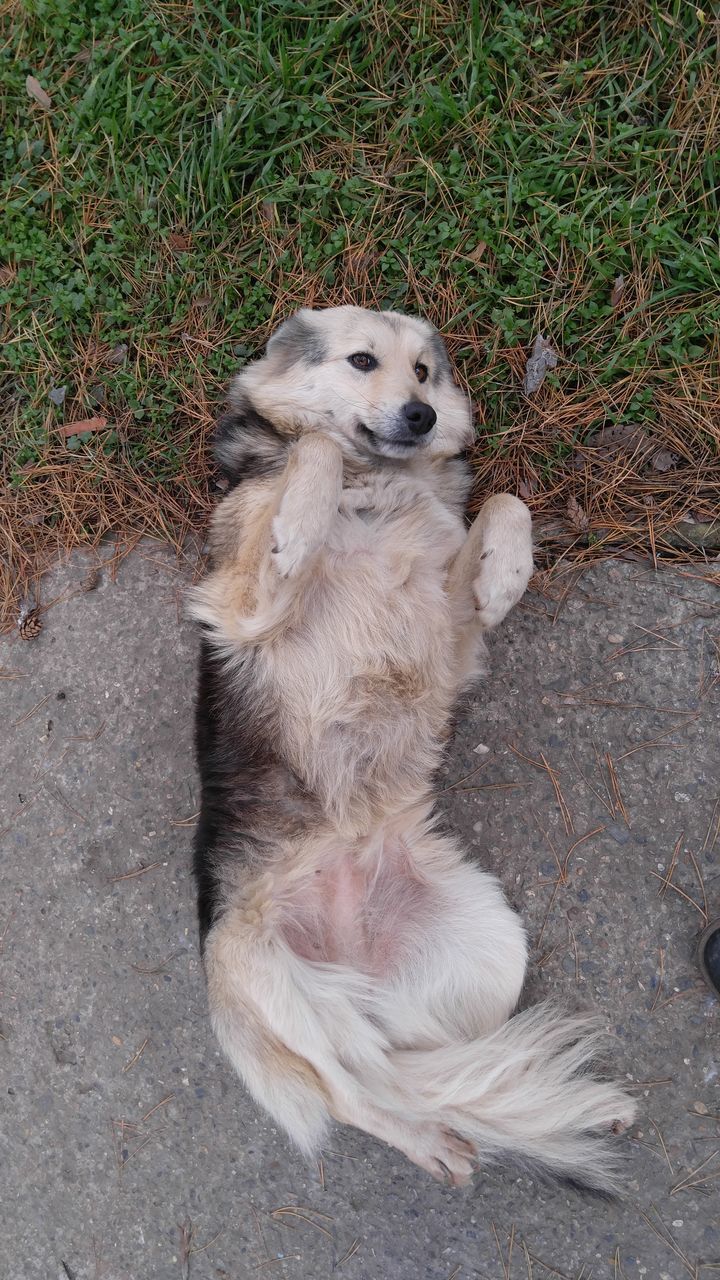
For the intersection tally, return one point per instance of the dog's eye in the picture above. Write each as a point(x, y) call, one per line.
point(361, 360)
point(421, 372)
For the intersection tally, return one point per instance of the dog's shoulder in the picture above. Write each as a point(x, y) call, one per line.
point(246, 445)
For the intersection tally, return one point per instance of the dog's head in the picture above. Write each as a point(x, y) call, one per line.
point(377, 382)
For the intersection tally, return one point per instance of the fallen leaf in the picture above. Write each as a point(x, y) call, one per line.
point(618, 290)
point(178, 241)
point(87, 424)
point(543, 358)
point(477, 253)
point(621, 438)
point(526, 489)
point(577, 517)
point(57, 395)
point(36, 91)
point(663, 460)
point(118, 353)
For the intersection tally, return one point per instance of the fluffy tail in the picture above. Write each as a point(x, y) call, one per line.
point(313, 1043)
point(530, 1091)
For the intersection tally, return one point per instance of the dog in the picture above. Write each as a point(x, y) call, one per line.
point(359, 968)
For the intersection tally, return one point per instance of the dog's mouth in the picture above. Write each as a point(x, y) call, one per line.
point(397, 445)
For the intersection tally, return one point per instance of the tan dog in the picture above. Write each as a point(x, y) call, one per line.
point(359, 968)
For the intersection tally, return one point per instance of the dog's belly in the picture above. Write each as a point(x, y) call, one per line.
point(358, 913)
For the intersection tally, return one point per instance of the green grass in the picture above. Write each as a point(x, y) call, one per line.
point(206, 167)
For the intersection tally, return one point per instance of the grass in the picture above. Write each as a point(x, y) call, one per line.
point(205, 168)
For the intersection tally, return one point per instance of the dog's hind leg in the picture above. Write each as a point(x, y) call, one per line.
point(489, 575)
point(522, 1085)
point(303, 1039)
point(460, 952)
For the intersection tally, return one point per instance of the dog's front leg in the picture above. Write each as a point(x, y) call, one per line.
point(489, 574)
point(312, 486)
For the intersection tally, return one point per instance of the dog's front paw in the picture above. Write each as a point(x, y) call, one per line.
point(290, 551)
point(505, 570)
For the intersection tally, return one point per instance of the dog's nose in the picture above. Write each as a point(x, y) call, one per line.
point(420, 417)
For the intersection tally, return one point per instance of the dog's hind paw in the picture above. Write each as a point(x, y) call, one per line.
point(446, 1155)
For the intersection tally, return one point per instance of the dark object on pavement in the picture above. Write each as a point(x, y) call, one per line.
point(30, 624)
point(709, 955)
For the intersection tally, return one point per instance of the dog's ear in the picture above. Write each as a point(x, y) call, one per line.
point(297, 340)
point(245, 445)
point(441, 359)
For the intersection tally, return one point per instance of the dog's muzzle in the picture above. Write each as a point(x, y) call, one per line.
point(409, 429)
point(418, 418)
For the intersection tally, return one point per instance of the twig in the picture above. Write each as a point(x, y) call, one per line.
point(683, 894)
point(186, 1234)
point(130, 875)
point(716, 819)
point(38, 705)
point(136, 1056)
point(57, 793)
point(566, 816)
point(617, 794)
point(483, 765)
point(185, 822)
point(662, 1144)
point(690, 1179)
point(89, 737)
point(669, 1240)
point(700, 881)
point(162, 1103)
point(350, 1253)
point(660, 980)
point(667, 882)
point(295, 1212)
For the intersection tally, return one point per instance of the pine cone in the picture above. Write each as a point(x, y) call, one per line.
point(30, 624)
point(577, 516)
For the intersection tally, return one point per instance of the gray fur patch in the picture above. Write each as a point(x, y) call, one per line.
point(441, 361)
point(295, 341)
point(245, 444)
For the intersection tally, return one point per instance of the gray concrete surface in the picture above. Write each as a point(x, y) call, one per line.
point(124, 1133)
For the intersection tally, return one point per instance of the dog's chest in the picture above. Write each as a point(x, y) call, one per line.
point(375, 632)
point(397, 529)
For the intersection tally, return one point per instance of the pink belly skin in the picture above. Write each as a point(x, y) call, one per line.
point(357, 914)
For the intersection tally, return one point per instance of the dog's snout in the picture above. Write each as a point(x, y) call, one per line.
point(419, 417)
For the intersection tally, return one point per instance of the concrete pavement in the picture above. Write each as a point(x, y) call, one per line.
point(584, 770)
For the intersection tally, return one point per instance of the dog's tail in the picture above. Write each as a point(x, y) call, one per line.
point(530, 1091)
point(312, 1043)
